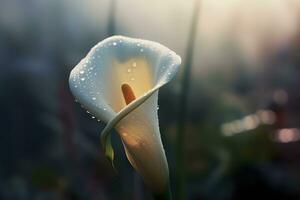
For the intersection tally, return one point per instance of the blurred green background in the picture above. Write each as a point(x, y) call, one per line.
point(241, 101)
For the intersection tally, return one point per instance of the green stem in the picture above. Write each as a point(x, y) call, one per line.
point(111, 18)
point(167, 195)
point(182, 115)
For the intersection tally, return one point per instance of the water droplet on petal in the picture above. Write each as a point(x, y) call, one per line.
point(94, 98)
point(82, 79)
point(93, 117)
point(114, 43)
point(141, 50)
point(132, 79)
point(134, 64)
point(81, 72)
point(128, 70)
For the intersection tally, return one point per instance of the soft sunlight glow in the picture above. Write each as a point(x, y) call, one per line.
point(287, 135)
point(248, 123)
point(266, 116)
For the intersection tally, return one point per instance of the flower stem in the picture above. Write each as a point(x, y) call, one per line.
point(182, 115)
point(166, 195)
point(111, 29)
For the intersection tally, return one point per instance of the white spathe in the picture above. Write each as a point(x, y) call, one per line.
point(96, 83)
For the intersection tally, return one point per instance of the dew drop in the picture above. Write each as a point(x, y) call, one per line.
point(138, 44)
point(104, 108)
point(134, 64)
point(94, 98)
point(132, 79)
point(115, 44)
point(81, 72)
point(93, 117)
point(75, 86)
point(82, 79)
point(87, 112)
point(128, 70)
point(141, 50)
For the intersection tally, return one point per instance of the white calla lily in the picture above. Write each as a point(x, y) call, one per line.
point(118, 83)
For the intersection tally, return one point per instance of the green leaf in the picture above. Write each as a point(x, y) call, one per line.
point(109, 151)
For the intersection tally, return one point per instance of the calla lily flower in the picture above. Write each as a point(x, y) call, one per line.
point(118, 82)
